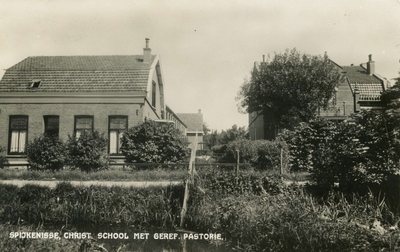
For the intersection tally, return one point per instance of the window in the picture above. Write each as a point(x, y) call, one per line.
point(51, 125)
point(153, 94)
point(117, 126)
point(83, 124)
point(34, 83)
point(18, 134)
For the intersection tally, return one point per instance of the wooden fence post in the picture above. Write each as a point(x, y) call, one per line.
point(237, 166)
point(190, 179)
point(281, 167)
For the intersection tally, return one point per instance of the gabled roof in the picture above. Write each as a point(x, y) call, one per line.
point(193, 121)
point(370, 87)
point(114, 73)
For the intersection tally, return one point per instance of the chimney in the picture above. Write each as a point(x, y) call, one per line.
point(199, 111)
point(147, 52)
point(370, 66)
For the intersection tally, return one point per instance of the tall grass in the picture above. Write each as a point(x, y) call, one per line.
point(107, 175)
point(89, 206)
point(118, 174)
point(290, 219)
point(255, 213)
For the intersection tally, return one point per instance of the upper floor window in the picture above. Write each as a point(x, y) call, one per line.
point(18, 134)
point(153, 94)
point(117, 126)
point(51, 125)
point(83, 124)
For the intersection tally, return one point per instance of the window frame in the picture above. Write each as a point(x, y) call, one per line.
point(80, 117)
point(45, 118)
point(119, 132)
point(10, 130)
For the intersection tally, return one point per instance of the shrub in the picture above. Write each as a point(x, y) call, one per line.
point(154, 142)
point(262, 154)
point(3, 159)
point(87, 152)
point(358, 153)
point(46, 153)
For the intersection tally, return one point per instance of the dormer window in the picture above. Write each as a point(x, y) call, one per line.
point(34, 83)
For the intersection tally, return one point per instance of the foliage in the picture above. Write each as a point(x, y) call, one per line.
point(250, 212)
point(357, 153)
point(227, 184)
point(391, 96)
point(153, 142)
point(232, 134)
point(292, 220)
point(262, 154)
point(291, 87)
point(46, 152)
point(3, 159)
point(219, 139)
point(87, 152)
point(85, 206)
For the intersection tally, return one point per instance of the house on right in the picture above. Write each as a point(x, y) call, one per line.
point(360, 88)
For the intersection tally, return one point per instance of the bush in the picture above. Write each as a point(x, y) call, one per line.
point(262, 154)
point(88, 152)
point(358, 153)
point(154, 142)
point(46, 153)
point(3, 159)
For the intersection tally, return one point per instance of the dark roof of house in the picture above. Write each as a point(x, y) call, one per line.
point(116, 73)
point(370, 87)
point(193, 121)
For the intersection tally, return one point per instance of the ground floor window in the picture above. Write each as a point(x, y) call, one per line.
point(83, 124)
point(117, 126)
point(51, 125)
point(18, 134)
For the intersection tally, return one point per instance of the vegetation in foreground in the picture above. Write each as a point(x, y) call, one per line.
point(253, 212)
point(157, 174)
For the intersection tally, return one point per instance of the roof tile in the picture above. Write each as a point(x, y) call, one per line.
point(78, 74)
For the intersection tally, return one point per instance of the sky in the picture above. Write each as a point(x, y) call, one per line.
point(207, 48)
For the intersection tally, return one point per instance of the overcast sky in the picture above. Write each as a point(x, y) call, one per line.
point(207, 48)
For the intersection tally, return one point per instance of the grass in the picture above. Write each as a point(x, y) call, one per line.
point(118, 174)
point(107, 175)
point(255, 213)
point(293, 220)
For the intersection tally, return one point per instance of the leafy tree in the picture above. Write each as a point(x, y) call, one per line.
point(46, 152)
point(87, 152)
point(154, 142)
point(206, 129)
point(232, 134)
point(211, 139)
point(291, 87)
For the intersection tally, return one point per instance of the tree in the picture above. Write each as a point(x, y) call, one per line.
point(211, 139)
point(154, 142)
point(206, 129)
point(232, 134)
point(291, 87)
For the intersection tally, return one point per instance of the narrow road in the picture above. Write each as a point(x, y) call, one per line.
point(53, 183)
